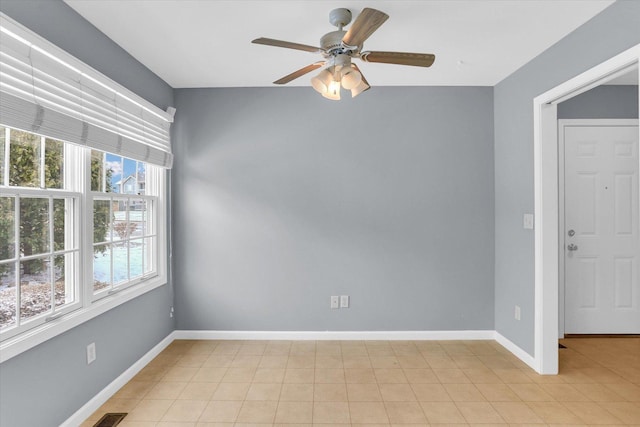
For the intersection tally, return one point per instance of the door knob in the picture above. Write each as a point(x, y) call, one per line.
point(571, 233)
point(572, 247)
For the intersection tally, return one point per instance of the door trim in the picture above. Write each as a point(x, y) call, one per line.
point(562, 124)
point(545, 171)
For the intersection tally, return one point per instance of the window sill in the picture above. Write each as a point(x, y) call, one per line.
point(29, 339)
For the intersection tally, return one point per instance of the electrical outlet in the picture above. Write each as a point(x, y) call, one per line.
point(517, 312)
point(344, 301)
point(335, 301)
point(171, 312)
point(91, 353)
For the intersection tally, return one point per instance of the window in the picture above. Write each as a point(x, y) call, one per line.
point(82, 191)
point(123, 235)
point(46, 268)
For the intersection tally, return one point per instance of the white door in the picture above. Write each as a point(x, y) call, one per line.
point(601, 245)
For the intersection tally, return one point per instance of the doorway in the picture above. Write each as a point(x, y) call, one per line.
point(599, 287)
point(546, 192)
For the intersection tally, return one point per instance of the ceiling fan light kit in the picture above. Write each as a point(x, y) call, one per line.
point(339, 73)
point(338, 49)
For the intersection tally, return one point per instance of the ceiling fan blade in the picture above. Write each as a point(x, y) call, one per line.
point(365, 24)
point(363, 86)
point(288, 45)
point(401, 58)
point(301, 72)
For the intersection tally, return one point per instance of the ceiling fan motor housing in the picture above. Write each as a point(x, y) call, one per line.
point(332, 41)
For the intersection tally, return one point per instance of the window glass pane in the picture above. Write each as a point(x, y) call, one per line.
point(53, 164)
point(113, 165)
point(24, 159)
point(2, 145)
point(142, 177)
point(136, 257)
point(119, 252)
point(121, 228)
point(64, 290)
point(138, 217)
point(35, 287)
point(7, 228)
point(97, 170)
point(101, 267)
point(7, 295)
point(34, 226)
point(129, 177)
point(111, 173)
point(58, 225)
point(101, 221)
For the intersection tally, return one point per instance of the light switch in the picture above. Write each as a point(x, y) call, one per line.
point(344, 301)
point(527, 221)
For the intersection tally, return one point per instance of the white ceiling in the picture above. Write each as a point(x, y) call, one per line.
point(200, 43)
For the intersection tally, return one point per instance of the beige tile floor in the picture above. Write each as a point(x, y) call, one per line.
point(353, 383)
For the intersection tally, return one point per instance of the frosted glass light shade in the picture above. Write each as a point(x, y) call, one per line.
point(322, 81)
point(362, 86)
point(350, 78)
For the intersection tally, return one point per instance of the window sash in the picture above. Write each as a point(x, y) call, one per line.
point(149, 234)
point(71, 253)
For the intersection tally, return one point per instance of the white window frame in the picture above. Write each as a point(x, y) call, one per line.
point(77, 183)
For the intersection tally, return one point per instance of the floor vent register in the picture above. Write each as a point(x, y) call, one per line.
point(110, 420)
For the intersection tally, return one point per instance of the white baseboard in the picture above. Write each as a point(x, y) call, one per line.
point(99, 399)
point(336, 335)
point(517, 351)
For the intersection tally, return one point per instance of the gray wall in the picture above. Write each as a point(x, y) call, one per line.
point(283, 198)
point(614, 30)
point(602, 102)
point(47, 384)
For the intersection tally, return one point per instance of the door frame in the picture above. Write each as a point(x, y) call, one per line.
point(545, 174)
point(562, 123)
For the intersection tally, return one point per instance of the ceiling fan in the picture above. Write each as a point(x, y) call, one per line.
point(339, 47)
